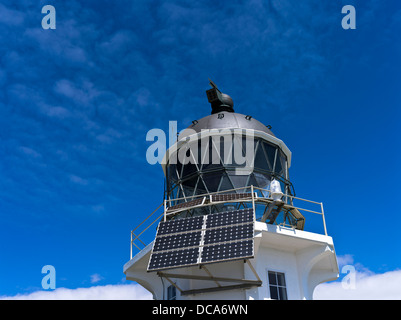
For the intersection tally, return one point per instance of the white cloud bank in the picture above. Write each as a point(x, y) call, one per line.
point(108, 292)
point(367, 286)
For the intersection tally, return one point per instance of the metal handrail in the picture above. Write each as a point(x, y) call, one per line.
point(135, 237)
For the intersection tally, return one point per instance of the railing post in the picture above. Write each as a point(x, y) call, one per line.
point(165, 210)
point(324, 221)
point(253, 203)
point(130, 248)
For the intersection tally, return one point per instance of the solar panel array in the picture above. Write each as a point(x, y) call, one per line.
point(203, 239)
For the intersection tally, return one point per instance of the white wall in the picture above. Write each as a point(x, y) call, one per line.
point(270, 259)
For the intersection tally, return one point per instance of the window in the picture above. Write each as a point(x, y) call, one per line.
point(210, 160)
point(277, 286)
point(171, 293)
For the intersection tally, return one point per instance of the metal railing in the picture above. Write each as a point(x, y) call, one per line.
point(254, 198)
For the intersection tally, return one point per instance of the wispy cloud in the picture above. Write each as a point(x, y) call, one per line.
point(84, 95)
point(96, 278)
point(63, 107)
point(10, 17)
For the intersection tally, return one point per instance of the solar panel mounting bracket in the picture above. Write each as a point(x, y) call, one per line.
point(240, 283)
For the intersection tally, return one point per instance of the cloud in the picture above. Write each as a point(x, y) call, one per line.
point(78, 180)
point(108, 292)
point(30, 152)
point(96, 278)
point(384, 286)
point(54, 112)
point(10, 17)
point(368, 285)
point(345, 259)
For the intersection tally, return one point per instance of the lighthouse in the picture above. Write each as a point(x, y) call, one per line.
point(231, 225)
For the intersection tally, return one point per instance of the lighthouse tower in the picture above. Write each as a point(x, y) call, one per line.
point(231, 226)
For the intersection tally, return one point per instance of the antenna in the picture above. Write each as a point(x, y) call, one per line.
point(213, 85)
point(218, 100)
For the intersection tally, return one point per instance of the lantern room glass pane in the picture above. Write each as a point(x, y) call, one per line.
point(251, 181)
point(260, 161)
point(188, 170)
point(280, 164)
point(238, 181)
point(226, 183)
point(262, 180)
point(201, 188)
point(212, 180)
point(278, 168)
point(224, 145)
point(210, 157)
point(283, 159)
point(179, 169)
point(270, 153)
point(191, 182)
point(238, 155)
point(172, 172)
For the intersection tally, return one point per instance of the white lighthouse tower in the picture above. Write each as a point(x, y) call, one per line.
point(230, 226)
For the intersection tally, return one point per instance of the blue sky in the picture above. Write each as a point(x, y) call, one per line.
point(76, 104)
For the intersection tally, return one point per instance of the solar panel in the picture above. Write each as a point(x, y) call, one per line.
point(239, 232)
point(180, 225)
point(229, 218)
point(228, 251)
point(175, 241)
point(173, 259)
point(231, 196)
point(196, 202)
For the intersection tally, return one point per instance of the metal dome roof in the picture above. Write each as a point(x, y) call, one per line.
point(225, 120)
